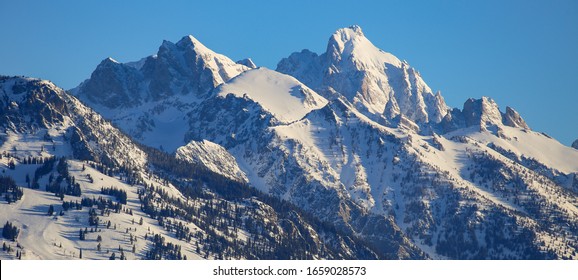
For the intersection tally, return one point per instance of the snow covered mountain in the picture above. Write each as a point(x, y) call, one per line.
point(148, 99)
point(351, 143)
point(376, 82)
point(73, 186)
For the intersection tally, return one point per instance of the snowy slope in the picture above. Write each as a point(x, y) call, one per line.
point(56, 237)
point(529, 144)
point(212, 156)
point(283, 96)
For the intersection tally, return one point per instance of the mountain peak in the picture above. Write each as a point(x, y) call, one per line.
point(366, 76)
point(108, 62)
point(188, 40)
point(353, 30)
point(110, 59)
point(513, 119)
point(482, 112)
point(351, 44)
point(247, 62)
point(356, 28)
point(191, 42)
point(575, 144)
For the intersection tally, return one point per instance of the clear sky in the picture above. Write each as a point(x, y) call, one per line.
point(523, 54)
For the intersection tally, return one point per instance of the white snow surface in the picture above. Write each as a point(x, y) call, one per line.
point(214, 157)
point(283, 96)
point(529, 144)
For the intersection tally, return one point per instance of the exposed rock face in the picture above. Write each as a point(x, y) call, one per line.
point(184, 68)
point(113, 85)
point(247, 62)
point(513, 119)
point(482, 112)
point(575, 144)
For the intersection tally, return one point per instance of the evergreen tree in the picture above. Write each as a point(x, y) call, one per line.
point(10, 231)
point(50, 210)
point(11, 165)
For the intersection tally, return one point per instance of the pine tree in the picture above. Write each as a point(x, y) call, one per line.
point(112, 256)
point(50, 210)
point(10, 231)
point(80, 255)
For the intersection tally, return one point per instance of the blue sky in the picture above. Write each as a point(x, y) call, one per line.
point(523, 54)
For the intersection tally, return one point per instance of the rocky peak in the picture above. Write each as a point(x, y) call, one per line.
point(482, 112)
point(112, 84)
point(305, 66)
point(575, 144)
point(31, 103)
point(513, 119)
point(247, 62)
point(351, 46)
point(377, 83)
point(185, 68)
